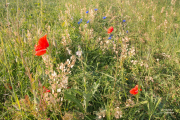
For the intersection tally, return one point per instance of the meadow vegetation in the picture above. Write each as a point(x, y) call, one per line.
point(87, 73)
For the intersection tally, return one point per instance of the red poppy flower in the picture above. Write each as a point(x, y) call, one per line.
point(134, 90)
point(45, 89)
point(110, 29)
point(41, 47)
point(43, 42)
point(40, 52)
point(48, 90)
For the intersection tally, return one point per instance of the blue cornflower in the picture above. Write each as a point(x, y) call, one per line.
point(127, 31)
point(87, 11)
point(80, 21)
point(111, 35)
point(124, 20)
point(109, 38)
point(88, 21)
point(104, 17)
point(96, 9)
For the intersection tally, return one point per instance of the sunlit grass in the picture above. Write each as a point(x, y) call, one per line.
point(89, 72)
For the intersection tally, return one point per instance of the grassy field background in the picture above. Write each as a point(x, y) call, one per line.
point(89, 72)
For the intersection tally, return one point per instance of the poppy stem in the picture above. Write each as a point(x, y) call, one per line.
point(137, 96)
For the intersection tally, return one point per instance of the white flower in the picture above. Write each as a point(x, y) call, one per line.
point(59, 90)
point(69, 51)
point(68, 61)
point(79, 53)
point(54, 74)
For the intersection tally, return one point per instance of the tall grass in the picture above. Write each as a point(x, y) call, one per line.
point(89, 76)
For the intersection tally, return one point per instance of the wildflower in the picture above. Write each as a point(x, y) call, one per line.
point(109, 38)
point(110, 29)
point(134, 90)
point(54, 74)
point(104, 17)
point(129, 102)
point(79, 53)
point(39, 50)
point(96, 9)
point(88, 21)
point(124, 20)
point(118, 113)
point(48, 90)
point(87, 11)
point(69, 51)
point(45, 89)
point(80, 21)
point(58, 90)
point(127, 31)
point(41, 47)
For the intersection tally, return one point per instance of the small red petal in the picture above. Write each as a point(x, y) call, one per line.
point(39, 47)
point(43, 42)
point(40, 52)
point(48, 90)
point(134, 90)
point(45, 89)
point(131, 92)
point(110, 29)
point(136, 87)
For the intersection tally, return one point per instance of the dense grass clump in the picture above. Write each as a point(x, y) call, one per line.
point(104, 60)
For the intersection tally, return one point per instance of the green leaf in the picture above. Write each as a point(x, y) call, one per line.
point(95, 87)
point(73, 99)
point(76, 91)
